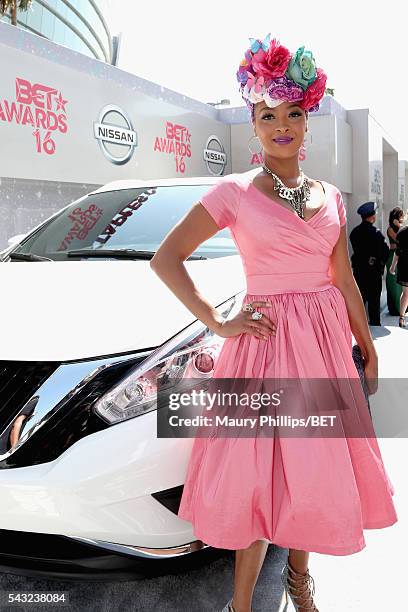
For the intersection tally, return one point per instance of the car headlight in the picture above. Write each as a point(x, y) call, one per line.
point(190, 354)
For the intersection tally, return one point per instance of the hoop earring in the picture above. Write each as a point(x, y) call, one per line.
point(249, 147)
point(308, 140)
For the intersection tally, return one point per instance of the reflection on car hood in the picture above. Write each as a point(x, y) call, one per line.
point(56, 311)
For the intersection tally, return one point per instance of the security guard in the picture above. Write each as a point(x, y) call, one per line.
point(368, 259)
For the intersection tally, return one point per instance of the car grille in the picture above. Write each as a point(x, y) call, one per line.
point(19, 380)
point(73, 421)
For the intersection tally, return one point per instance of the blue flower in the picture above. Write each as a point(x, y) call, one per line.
point(302, 68)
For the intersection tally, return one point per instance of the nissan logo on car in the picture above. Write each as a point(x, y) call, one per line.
point(115, 133)
point(215, 156)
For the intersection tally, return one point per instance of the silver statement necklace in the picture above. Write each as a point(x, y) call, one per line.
point(296, 196)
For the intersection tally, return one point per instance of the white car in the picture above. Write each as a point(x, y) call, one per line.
point(85, 338)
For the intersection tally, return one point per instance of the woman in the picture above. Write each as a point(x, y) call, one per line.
point(401, 258)
point(396, 219)
point(301, 305)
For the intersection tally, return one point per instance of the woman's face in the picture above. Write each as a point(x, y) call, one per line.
point(280, 129)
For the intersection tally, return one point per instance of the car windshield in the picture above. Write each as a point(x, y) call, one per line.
point(137, 218)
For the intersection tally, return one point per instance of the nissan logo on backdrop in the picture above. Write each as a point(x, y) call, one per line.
point(215, 156)
point(115, 133)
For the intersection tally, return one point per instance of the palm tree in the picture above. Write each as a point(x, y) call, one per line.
point(11, 5)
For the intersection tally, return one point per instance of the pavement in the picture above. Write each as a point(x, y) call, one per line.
point(370, 580)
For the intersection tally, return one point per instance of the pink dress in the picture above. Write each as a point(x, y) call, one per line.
point(312, 494)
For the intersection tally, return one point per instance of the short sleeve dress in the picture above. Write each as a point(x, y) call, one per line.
point(313, 494)
point(402, 252)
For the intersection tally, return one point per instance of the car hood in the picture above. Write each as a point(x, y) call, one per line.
point(57, 311)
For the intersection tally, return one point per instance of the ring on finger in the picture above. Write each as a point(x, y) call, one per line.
point(256, 316)
point(248, 308)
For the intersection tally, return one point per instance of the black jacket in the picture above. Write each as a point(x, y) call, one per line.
point(370, 249)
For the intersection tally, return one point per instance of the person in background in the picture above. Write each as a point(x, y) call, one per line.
point(370, 252)
point(401, 257)
point(396, 219)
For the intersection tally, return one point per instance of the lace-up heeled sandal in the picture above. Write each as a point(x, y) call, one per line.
point(402, 321)
point(229, 607)
point(299, 587)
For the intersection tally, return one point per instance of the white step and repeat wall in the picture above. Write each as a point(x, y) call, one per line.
point(69, 122)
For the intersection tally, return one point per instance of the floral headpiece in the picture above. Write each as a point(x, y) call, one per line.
point(271, 73)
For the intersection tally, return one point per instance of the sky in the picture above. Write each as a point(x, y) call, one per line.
point(195, 47)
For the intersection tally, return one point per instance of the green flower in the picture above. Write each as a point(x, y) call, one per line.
point(302, 68)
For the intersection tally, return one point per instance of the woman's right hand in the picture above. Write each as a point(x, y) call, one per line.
point(242, 323)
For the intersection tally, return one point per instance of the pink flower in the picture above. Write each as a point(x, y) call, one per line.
point(315, 92)
point(274, 62)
